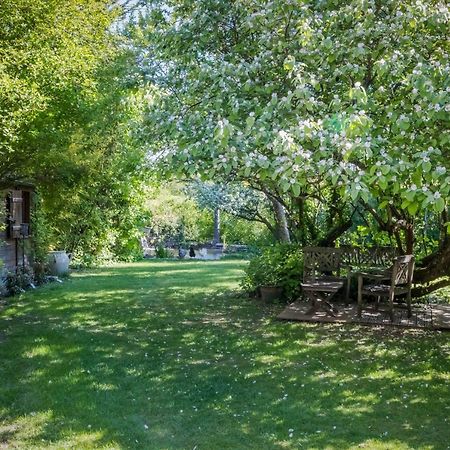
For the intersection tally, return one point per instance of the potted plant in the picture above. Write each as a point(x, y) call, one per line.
point(270, 292)
point(271, 281)
point(275, 273)
point(264, 276)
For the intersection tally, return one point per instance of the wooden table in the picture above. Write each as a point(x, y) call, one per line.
point(374, 275)
point(376, 272)
point(320, 293)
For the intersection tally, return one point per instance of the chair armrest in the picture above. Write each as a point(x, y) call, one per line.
point(382, 274)
point(374, 276)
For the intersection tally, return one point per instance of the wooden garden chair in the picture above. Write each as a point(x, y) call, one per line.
point(321, 277)
point(398, 282)
point(374, 260)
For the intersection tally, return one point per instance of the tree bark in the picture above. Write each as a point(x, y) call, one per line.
point(433, 272)
point(410, 239)
point(330, 239)
point(281, 221)
point(301, 221)
point(216, 238)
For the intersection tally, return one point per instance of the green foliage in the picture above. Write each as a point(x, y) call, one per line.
point(280, 265)
point(243, 211)
point(308, 97)
point(178, 216)
point(235, 230)
point(18, 281)
point(50, 54)
point(2, 228)
point(96, 208)
point(162, 252)
point(367, 234)
point(41, 232)
point(68, 111)
point(328, 106)
point(40, 273)
point(237, 199)
point(175, 217)
point(238, 256)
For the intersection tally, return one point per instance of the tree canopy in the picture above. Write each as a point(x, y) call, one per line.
point(332, 114)
point(339, 107)
point(353, 95)
point(68, 106)
point(50, 53)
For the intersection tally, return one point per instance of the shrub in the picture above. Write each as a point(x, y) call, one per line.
point(279, 265)
point(235, 256)
point(40, 270)
point(16, 282)
point(162, 252)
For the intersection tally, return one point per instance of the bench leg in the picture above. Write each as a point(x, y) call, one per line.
point(347, 289)
point(321, 301)
point(360, 303)
point(391, 305)
point(408, 302)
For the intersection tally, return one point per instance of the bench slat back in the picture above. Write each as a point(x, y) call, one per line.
point(370, 257)
point(403, 270)
point(320, 260)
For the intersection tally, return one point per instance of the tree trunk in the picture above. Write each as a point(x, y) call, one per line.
point(338, 230)
point(433, 272)
point(216, 238)
point(301, 221)
point(281, 221)
point(410, 239)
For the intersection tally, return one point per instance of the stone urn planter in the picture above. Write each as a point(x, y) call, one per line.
point(58, 262)
point(270, 293)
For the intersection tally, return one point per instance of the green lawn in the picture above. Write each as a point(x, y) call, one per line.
point(149, 356)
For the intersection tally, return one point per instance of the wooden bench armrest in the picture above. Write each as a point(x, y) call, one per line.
point(374, 276)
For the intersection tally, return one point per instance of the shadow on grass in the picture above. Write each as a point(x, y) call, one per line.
point(129, 358)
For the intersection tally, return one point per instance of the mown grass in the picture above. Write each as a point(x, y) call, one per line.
point(160, 355)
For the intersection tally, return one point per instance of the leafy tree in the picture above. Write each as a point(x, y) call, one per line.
point(235, 199)
point(175, 218)
point(50, 52)
point(68, 108)
point(332, 108)
point(98, 208)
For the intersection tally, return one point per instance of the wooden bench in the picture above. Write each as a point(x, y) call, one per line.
point(377, 260)
point(321, 277)
point(322, 266)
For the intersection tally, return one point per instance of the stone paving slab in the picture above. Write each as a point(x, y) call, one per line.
point(435, 317)
point(441, 317)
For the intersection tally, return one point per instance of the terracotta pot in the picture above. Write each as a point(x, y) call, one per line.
point(270, 293)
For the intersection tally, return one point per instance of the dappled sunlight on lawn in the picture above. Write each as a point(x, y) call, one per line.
point(174, 361)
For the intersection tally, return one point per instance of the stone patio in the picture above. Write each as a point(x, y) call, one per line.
point(435, 317)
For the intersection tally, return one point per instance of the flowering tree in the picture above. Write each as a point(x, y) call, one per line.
point(327, 106)
point(236, 199)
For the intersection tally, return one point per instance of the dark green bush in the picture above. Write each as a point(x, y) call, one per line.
point(40, 270)
point(161, 252)
point(278, 265)
point(16, 282)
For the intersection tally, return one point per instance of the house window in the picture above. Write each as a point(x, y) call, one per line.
point(18, 207)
